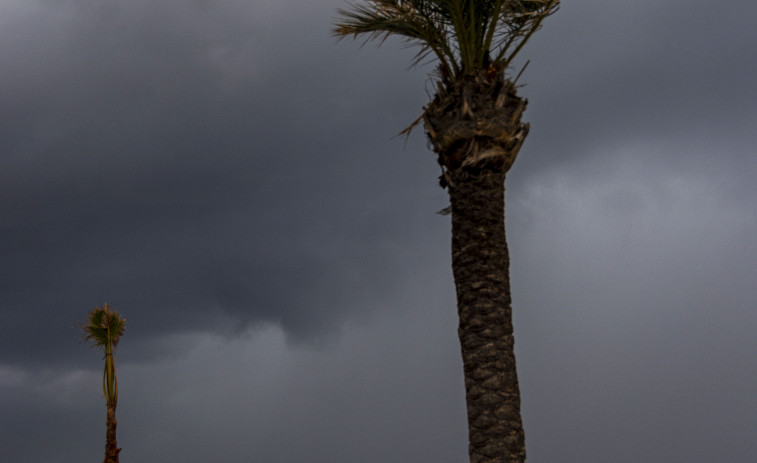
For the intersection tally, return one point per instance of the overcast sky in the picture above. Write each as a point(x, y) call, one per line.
point(227, 176)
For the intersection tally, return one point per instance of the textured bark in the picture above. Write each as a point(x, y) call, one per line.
point(480, 266)
point(111, 447)
point(474, 125)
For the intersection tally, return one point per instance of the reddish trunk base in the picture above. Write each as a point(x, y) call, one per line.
point(111, 447)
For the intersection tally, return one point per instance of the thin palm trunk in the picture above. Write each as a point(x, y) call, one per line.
point(105, 328)
point(110, 387)
point(111, 446)
point(480, 265)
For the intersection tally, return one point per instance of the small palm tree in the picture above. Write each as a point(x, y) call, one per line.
point(104, 328)
point(474, 126)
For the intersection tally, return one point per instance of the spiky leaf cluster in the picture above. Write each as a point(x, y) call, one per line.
point(464, 35)
point(104, 328)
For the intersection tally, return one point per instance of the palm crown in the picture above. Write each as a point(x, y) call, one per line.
point(104, 327)
point(464, 35)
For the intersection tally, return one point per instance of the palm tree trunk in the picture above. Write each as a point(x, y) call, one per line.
point(480, 265)
point(111, 447)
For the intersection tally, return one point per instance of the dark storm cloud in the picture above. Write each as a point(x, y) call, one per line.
point(631, 216)
point(630, 71)
point(649, 309)
point(183, 163)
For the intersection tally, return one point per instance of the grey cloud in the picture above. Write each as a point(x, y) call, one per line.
point(648, 336)
point(157, 169)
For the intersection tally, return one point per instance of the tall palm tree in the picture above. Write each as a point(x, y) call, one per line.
point(474, 126)
point(104, 328)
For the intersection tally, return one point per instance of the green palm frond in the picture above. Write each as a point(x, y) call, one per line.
point(464, 35)
point(415, 21)
point(104, 328)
